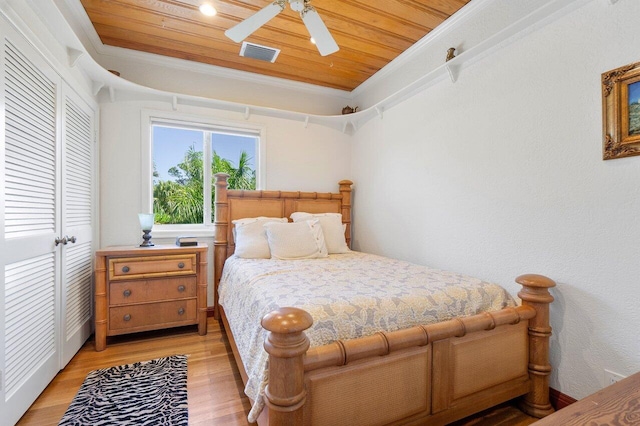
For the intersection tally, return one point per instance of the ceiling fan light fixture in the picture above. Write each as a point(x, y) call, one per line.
point(207, 9)
point(297, 5)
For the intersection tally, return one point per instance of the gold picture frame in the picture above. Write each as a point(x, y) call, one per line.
point(621, 112)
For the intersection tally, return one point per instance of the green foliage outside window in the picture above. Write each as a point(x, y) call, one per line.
point(181, 201)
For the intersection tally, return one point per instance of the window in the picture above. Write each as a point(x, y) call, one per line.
point(185, 155)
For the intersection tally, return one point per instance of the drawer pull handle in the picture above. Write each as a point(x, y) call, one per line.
point(181, 311)
point(181, 265)
point(127, 317)
point(126, 293)
point(125, 269)
point(181, 288)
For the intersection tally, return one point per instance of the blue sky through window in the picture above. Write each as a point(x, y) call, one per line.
point(170, 144)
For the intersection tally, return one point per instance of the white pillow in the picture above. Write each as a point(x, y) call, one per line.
point(251, 238)
point(332, 228)
point(301, 240)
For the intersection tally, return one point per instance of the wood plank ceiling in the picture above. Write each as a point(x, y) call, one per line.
point(370, 34)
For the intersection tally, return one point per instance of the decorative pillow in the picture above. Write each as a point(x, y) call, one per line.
point(332, 228)
point(301, 240)
point(251, 238)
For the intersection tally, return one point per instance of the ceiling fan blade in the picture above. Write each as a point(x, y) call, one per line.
point(244, 29)
point(318, 30)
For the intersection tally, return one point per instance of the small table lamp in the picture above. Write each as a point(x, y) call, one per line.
point(146, 223)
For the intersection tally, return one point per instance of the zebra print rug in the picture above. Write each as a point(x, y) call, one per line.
point(144, 393)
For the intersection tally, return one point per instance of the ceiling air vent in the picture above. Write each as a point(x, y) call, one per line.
point(256, 51)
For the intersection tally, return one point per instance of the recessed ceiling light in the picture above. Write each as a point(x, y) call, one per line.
point(207, 9)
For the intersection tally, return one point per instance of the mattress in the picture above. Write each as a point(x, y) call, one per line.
point(348, 295)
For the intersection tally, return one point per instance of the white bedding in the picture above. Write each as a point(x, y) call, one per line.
point(348, 295)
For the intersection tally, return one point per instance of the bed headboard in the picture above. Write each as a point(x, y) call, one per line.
point(231, 204)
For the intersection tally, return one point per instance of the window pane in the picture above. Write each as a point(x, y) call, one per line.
point(177, 175)
point(236, 156)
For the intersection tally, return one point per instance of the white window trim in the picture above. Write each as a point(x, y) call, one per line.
point(191, 120)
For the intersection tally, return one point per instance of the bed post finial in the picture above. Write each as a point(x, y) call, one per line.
point(286, 344)
point(535, 293)
point(220, 232)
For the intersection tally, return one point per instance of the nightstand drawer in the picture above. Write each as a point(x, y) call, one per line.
point(152, 266)
point(127, 292)
point(143, 316)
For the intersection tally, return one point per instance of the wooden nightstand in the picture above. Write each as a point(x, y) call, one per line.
point(141, 289)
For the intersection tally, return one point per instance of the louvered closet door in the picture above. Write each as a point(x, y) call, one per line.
point(30, 223)
point(77, 208)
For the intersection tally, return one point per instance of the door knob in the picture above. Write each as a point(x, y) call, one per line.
point(62, 241)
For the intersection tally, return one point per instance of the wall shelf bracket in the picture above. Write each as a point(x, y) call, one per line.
point(74, 55)
point(452, 70)
point(96, 86)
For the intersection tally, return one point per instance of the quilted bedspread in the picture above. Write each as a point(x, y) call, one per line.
point(348, 295)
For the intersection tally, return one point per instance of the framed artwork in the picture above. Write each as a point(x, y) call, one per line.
point(621, 112)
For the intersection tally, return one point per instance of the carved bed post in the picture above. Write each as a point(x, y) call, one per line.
point(220, 225)
point(535, 293)
point(101, 303)
point(286, 344)
point(345, 190)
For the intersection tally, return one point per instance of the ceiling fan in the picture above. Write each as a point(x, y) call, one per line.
point(317, 29)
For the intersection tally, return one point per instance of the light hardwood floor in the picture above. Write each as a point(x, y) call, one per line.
point(214, 384)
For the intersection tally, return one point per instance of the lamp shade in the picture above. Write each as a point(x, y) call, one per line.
point(146, 221)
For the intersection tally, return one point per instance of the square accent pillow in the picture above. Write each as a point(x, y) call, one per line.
point(332, 228)
point(251, 237)
point(301, 240)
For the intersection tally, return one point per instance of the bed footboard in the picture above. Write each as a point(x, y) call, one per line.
point(432, 374)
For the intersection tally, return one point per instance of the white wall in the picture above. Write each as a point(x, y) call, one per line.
point(314, 158)
point(501, 174)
